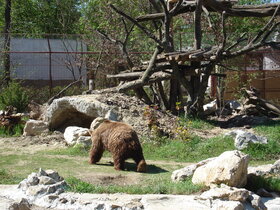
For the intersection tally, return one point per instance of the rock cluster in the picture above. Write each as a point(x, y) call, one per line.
point(225, 175)
point(43, 183)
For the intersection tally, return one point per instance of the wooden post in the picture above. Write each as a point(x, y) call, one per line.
point(50, 67)
point(7, 42)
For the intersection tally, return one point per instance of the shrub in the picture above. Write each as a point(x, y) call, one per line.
point(15, 96)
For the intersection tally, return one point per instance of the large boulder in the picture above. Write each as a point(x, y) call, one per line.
point(75, 110)
point(229, 168)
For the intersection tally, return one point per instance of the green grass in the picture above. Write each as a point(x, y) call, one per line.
point(8, 178)
point(15, 132)
point(195, 149)
point(72, 163)
point(156, 185)
point(196, 123)
point(271, 150)
point(70, 151)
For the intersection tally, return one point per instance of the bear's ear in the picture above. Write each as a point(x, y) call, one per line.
point(95, 123)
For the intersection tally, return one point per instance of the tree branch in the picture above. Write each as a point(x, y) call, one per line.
point(145, 30)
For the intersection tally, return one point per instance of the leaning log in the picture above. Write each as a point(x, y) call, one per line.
point(259, 105)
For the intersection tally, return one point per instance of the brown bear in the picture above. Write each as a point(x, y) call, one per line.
point(118, 138)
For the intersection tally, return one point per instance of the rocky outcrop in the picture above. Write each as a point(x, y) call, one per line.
point(75, 110)
point(229, 168)
point(83, 109)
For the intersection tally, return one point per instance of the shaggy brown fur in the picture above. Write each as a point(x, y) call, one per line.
point(121, 140)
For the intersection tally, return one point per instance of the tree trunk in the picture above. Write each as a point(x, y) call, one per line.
point(7, 42)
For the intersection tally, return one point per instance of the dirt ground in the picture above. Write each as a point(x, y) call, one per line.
point(94, 174)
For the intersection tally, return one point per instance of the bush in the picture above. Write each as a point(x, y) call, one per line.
point(15, 96)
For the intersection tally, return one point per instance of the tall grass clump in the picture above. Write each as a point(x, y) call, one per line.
point(14, 95)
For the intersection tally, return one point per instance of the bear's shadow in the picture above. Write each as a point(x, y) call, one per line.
point(151, 169)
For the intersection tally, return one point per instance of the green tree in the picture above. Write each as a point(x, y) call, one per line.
point(44, 16)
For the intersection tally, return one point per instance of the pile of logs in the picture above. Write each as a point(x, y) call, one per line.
point(255, 105)
point(8, 119)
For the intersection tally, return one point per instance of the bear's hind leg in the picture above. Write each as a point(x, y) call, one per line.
point(96, 151)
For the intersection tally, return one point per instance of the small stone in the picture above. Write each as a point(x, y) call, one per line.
point(45, 180)
point(263, 193)
point(64, 200)
point(256, 202)
point(36, 190)
point(32, 179)
point(53, 197)
point(22, 205)
point(42, 172)
point(54, 175)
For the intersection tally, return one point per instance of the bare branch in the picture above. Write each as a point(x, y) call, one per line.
point(62, 91)
point(151, 65)
point(145, 30)
point(176, 8)
point(261, 32)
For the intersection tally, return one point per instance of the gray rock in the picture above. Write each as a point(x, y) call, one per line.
point(263, 170)
point(54, 175)
point(210, 107)
point(63, 109)
point(35, 127)
point(85, 141)
point(72, 133)
point(225, 192)
point(182, 174)
point(229, 168)
point(45, 180)
point(276, 167)
point(256, 202)
point(113, 115)
point(234, 105)
point(243, 139)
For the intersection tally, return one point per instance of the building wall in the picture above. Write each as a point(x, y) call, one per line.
point(33, 59)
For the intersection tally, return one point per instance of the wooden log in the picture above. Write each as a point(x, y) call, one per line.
point(262, 105)
point(263, 10)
